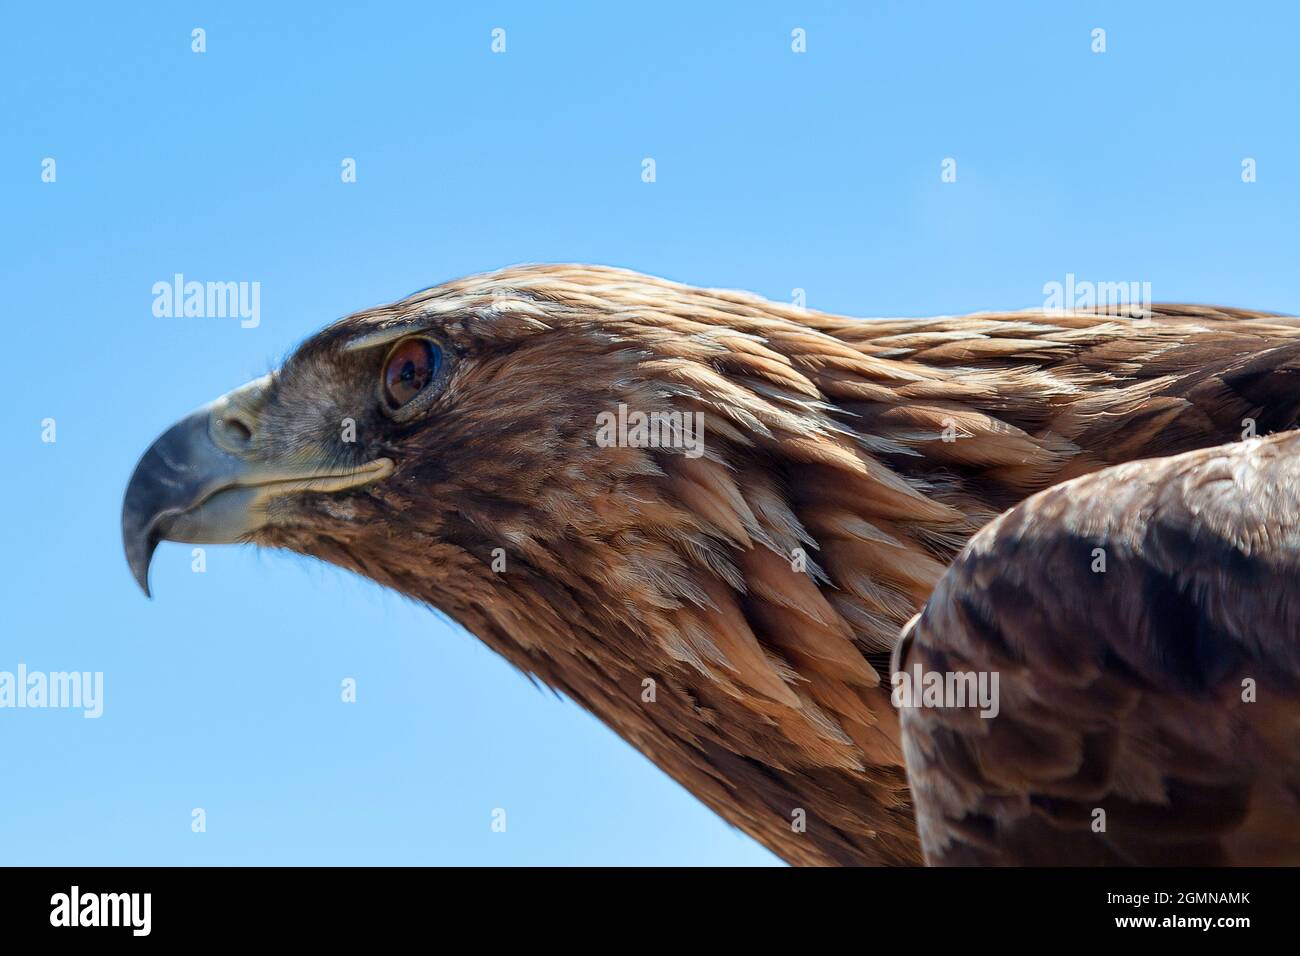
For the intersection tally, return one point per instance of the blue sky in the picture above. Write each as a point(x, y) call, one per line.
point(774, 171)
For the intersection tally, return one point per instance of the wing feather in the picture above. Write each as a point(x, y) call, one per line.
point(1144, 625)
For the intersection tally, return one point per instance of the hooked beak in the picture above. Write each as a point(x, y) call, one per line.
point(203, 481)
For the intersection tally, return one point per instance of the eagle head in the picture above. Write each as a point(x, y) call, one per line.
point(417, 442)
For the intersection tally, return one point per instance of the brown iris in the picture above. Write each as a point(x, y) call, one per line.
point(411, 367)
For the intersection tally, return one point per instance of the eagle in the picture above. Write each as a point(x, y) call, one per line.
point(730, 528)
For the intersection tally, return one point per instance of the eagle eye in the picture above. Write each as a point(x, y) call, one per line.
point(410, 368)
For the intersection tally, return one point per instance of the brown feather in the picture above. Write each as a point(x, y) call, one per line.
point(1124, 696)
point(824, 448)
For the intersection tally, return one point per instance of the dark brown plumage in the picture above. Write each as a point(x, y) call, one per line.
point(1145, 625)
point(761, 585)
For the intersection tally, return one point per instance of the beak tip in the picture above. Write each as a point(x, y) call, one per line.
point(143, 581)
point(139, 555)
point(139, 538)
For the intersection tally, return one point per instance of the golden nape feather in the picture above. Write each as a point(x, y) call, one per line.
point(705, 516)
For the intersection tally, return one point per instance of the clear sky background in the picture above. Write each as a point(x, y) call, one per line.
point(775, 171)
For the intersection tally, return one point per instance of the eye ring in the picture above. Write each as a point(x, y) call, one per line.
point(410, 375)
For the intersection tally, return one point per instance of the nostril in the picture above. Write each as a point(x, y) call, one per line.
point(236, 430)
